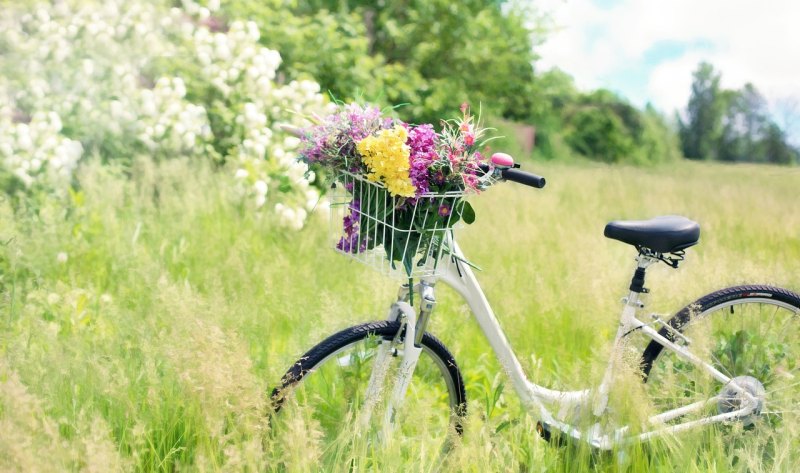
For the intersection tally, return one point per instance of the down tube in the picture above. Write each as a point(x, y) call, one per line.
point(462, 279)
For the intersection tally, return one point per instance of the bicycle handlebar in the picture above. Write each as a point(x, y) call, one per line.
point(519, 176)
point(523, 177)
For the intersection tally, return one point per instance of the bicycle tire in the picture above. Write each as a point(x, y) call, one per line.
point(743, 331)
point(313, 363)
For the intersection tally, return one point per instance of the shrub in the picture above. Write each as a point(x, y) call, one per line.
point(120, 79)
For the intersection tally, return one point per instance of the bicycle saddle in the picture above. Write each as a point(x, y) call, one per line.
point(666, 234)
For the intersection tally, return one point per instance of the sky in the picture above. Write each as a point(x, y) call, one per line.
point(646, 50)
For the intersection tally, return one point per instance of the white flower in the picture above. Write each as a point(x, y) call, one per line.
point(252, 31)
point(312, 198)
point(62, 257)
point(63, 50)
point(297, 172)
point(179, 86)
point(189, 139)
point(259, 150)
point(291, 142)
point(289, 217)
point(88, 67)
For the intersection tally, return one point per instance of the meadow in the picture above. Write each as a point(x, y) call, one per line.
point(145, 321)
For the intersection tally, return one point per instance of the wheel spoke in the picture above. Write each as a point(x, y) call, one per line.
point(332, 393)
point(783, 388)
point(761, 348)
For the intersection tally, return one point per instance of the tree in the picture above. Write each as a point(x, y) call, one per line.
point(701, 131)
point(600, 127)
point(731, 143)
point(430, 54)
point(605, 127)
point(775, 147)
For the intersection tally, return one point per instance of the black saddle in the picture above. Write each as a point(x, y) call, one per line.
point(667, 234)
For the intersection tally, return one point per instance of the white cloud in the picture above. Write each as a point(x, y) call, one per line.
point(670, 82)
point(747, 41)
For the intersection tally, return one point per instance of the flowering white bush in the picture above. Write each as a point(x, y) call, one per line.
point(122, 78)
point(243, 73)
point(168, 121)
point(36, 150)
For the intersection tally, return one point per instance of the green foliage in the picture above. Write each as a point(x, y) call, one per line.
point(776, 146)
point(701, 130)
point(604, 127)
point(731, 125)
point(329, 47)
point(598, 133)
point(432, 55)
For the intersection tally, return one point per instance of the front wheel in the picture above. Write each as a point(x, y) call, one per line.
point(343, 386)
point(751, 334)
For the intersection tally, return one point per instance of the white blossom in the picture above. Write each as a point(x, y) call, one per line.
point(86, 63)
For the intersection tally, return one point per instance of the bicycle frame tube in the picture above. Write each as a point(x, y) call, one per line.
point(535, 397)
point(411, 351)
point(462, 279)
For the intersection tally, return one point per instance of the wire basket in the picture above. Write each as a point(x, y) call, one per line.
point(400, 237)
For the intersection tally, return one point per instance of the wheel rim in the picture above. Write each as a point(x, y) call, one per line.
point(752, 338)
point(329, 401)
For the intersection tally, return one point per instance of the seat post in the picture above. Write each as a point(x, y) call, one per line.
point(637, 282)
point(643, 261)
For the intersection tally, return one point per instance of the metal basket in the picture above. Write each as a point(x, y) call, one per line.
point(399, 237)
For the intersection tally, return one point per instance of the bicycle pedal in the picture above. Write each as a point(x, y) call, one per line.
point(546, 433)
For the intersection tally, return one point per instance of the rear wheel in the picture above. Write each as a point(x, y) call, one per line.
point(752, 334)
point(327, 389)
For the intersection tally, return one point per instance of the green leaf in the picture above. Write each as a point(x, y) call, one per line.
point(467, 213)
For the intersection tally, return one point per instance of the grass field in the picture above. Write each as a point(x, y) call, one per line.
point(144, 323)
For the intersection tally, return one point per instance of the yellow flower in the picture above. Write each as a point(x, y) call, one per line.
point(386, 157)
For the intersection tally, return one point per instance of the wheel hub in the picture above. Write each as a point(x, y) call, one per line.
point(732, 399)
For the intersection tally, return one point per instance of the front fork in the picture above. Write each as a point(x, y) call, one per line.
point(413, 329)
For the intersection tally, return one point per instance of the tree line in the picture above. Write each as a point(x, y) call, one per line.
point(731, 125)
point(432, 55)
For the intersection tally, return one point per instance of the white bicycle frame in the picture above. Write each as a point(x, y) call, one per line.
point(539, 399)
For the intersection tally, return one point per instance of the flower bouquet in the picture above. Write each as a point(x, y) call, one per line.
point(401, 186)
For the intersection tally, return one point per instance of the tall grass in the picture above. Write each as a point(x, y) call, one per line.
point(144, 321)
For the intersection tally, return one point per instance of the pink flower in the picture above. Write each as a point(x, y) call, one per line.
point(464, 107)
point(469, 139)
point(471, 181)
point(454, 159)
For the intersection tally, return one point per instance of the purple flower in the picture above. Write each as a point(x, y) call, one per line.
point(439, 178)
point(332, 142)
point(444, 210)
point(351, 241)
point(422, 141)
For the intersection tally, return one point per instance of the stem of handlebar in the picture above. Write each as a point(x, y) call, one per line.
point(518, 176)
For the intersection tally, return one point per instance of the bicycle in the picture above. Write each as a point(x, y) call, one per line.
point(724, 358)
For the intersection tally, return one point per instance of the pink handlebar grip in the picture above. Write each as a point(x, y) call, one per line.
point(502, 159)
